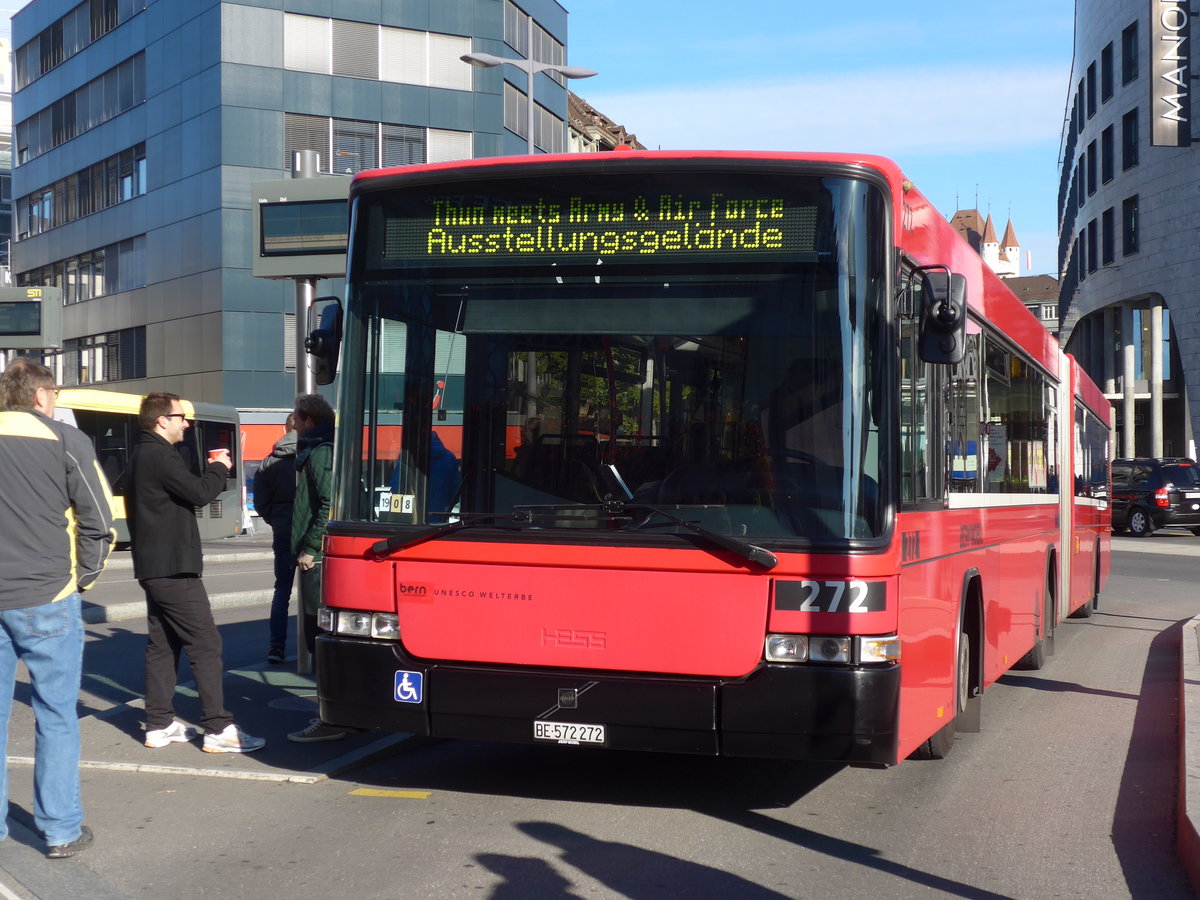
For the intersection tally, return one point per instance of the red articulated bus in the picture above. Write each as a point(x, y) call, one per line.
point(715, 453)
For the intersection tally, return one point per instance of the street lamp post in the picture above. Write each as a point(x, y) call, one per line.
point(530, 67)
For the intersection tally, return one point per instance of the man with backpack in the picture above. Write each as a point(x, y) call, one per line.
point(274, 494)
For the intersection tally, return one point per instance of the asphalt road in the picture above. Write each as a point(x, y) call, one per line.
point(1068, 792)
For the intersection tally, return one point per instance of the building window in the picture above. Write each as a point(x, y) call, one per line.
point(100, 358)
point(516, 28)
point(1129, 54)
point(549, 132)
point(1144, 345)
point(1129, 225)
point(106, 270)
point(1080, 94)
point(355, 49)
point(1081, 171)
point(404, 145)
point(104, 184)
point(289, 342)
point(1106, 73)
point(117, 90)
point(1091, 245)
point(306, 44)
point(516, 34)
point(362, 50)
point(1108, 237)
point(1129, 140)
point(1091, 90)
point(87, 22)
point(355, 146)
point(1091, 168)
point(1049, 311)
point(345, 146)
point(1106, 155)
point(1081, 266)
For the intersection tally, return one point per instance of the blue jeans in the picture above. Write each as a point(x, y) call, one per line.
point(49, 640)
point(285, 574)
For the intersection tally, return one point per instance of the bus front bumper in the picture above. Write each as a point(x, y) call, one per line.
point(837, 714)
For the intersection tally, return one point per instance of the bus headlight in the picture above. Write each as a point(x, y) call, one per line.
point(359, 623)
point(353, 623)
point(828, 649)
point(787, 648)
point(879, 648)
point(832, 649)
point(385, 626)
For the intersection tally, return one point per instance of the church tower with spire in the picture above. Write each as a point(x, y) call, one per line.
point(1010, 253)
point(1002, 256)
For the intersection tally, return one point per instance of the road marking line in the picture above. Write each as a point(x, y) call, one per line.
point(375, 792)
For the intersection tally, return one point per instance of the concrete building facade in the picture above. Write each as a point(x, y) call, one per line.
point(1129, 217)
point(140, 126)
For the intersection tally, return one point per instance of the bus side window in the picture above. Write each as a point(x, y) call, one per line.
point(964, 420)
point(212, 435)
point(920, 403)
point(111, 436)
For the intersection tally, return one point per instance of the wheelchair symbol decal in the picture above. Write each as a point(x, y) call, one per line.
point(408, 687)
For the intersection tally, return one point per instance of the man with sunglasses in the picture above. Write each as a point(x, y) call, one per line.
point(161, 500)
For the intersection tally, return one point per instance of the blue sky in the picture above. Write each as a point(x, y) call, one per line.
point(968, 98)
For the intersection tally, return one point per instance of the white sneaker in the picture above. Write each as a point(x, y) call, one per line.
point(175, 733)
point(232, 740)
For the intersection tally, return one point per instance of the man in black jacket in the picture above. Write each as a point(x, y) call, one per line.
point(167, 562)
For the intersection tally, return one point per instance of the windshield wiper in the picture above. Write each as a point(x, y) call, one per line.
point(747, 551)
point(526, 514)
point(613, 508)
point(381, 549)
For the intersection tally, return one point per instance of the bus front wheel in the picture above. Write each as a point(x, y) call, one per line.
point(942, 742)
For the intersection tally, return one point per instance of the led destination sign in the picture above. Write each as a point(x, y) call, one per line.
point(575, 228)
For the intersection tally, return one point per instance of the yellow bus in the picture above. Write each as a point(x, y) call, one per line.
point(109, 418)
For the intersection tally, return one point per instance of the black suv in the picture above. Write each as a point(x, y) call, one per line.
point(1150, 493)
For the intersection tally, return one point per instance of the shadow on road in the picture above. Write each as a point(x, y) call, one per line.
point(1150, 780)
point(588, 775)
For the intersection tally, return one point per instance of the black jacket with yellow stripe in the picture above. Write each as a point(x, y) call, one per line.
point(56, 514)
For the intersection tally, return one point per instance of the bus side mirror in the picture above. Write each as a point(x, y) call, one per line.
point(943, 317)
point(324, 338)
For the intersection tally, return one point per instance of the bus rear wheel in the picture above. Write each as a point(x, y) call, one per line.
point(1044, 645)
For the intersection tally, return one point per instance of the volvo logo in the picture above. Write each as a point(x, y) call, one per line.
point(568, 698)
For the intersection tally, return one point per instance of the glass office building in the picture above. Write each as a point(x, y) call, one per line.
point(140, 125)
point(1129, 307)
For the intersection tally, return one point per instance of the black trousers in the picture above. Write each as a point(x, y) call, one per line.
point(179, 620)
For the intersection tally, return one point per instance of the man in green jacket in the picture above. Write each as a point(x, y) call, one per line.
point(310, 511)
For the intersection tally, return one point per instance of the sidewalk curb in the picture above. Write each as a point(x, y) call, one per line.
point(126, 562)
point(117, 612)
point(1187, 818)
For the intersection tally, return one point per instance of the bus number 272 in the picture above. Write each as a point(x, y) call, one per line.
point(830, 596)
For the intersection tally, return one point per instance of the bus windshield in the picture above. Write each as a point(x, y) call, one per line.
point(712, 344)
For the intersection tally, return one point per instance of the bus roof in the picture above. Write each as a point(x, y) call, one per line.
point(373, 179)
point(115, 401)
